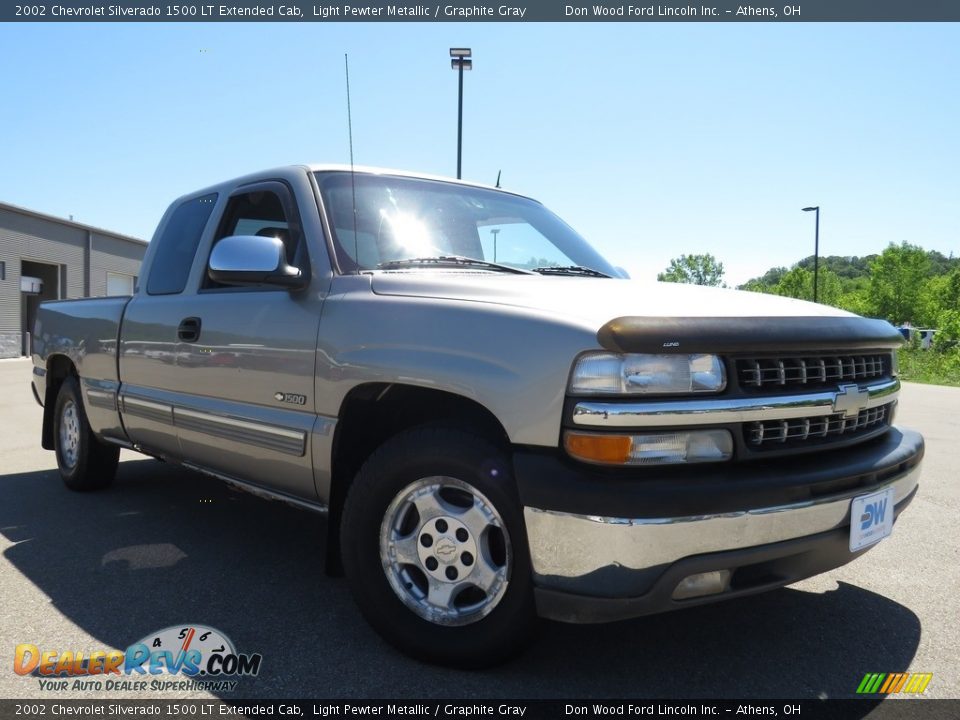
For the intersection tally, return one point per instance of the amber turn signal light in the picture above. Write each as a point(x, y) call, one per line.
point(606, 449)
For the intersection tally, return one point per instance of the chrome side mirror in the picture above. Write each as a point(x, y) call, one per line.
point(253, 260)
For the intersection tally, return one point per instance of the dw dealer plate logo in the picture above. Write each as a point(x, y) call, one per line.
point(180, 657)
point(871, 518)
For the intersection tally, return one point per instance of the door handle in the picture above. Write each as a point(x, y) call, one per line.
point(189, 330)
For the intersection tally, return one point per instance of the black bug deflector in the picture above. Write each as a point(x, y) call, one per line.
point(745, 334)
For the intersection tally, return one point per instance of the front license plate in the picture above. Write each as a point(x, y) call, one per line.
point(871, 519)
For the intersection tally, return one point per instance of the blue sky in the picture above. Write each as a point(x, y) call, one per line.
point(651, 139)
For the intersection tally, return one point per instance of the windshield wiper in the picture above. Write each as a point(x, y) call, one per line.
point(451, 261)
point(570, 270)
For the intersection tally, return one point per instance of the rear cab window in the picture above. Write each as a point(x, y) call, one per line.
point(178, 245)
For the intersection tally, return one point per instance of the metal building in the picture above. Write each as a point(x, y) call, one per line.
point(47, 258)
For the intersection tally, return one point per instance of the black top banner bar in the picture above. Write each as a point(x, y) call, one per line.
point(482, 11)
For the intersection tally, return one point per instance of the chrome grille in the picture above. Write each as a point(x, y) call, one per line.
point(810, 371)
point(801, 431)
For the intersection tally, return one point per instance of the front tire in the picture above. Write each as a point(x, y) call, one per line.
point(84, 462)
point(435, 551)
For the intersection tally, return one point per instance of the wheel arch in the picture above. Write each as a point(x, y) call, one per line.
point(59, 368)
point(373, 412)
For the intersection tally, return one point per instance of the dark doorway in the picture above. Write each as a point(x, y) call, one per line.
point(49, 276)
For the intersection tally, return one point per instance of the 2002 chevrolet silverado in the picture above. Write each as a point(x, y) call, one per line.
point(498, 423)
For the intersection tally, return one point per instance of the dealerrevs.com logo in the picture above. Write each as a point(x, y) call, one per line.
point(181, 657)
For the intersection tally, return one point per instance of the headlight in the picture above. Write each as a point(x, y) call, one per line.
point(666, 448)
point(611, 374)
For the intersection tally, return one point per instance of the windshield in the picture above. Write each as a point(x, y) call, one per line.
point(400, 218)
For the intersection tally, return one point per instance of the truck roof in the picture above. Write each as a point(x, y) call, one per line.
point(336, 167)
point(373, 170)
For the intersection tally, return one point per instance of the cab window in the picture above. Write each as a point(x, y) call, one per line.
point(268, 211)
point(178, 245)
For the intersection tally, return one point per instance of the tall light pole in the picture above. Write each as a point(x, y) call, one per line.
point(816, 248)
point(460, 63)
point(494, 232)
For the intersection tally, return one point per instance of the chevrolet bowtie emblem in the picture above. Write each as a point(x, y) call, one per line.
point(850, 400)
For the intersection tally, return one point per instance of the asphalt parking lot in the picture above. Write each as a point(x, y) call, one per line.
point(165, 546)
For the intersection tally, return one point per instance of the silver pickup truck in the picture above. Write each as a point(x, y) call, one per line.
point(497, 423)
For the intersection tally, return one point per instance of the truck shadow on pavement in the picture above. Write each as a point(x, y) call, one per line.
point(165, 546)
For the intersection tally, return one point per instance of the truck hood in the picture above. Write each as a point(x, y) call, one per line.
point(630, 316)
point(596, 300)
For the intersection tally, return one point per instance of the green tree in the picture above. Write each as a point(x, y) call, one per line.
point(772, 276)
point(798, 283)
point(948, 330)
point(939, 293)
point(940, 264)
point(855, 300)
point(896, 278)
point(694, 270)
point(847, 267)
point(756, 285)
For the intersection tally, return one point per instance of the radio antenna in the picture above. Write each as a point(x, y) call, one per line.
point(498, 177)
point(353, 184)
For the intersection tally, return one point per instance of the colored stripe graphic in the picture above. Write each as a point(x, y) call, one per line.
point(890, 683)
point(894, 683)
point(918, 682)
point(862, 687)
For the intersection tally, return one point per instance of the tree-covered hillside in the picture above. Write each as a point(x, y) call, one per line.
point(903, 284)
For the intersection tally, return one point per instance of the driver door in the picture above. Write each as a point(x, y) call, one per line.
point(247, 375)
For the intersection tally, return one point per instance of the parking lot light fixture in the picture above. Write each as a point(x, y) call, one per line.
point(460, 62)
point(816, 248)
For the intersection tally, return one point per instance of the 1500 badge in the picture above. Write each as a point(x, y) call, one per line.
point(292, 398)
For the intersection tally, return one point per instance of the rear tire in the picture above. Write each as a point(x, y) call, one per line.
point(435, 549)
point(84, 462)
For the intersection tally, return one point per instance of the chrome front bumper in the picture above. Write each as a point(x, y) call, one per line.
point(589, 568)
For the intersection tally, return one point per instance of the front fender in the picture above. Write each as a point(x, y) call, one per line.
point(512, 361)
